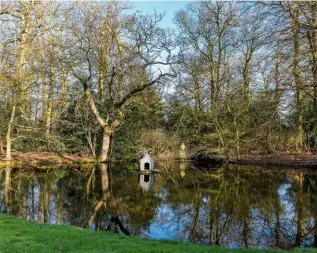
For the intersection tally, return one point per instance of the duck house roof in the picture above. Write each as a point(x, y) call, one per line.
point(146, 158)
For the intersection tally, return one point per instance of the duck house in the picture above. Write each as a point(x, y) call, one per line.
point(146, 162)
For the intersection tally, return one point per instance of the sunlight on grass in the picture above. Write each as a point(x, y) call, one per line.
point(23, 236)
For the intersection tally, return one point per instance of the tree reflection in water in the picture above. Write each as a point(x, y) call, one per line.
point(231, 207)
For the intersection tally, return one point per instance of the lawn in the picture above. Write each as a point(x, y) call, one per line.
point(19, 235)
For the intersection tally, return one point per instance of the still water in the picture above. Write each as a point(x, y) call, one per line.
point(231, 206)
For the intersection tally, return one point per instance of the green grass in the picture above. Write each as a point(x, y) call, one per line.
point(18, 235)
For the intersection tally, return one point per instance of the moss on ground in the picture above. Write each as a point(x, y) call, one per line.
point(18, 235)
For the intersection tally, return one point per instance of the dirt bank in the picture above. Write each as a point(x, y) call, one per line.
point(44, 158)
point(289, 160)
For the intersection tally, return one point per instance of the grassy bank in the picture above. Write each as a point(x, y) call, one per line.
point(18, 235)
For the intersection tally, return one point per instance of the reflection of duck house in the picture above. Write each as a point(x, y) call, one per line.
point(146, 181)
point(146, 163)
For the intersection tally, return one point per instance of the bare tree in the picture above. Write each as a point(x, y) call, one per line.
point(139, 56)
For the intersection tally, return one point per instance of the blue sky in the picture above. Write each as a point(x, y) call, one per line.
point(169, 7)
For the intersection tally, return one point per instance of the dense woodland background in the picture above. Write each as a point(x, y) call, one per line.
point(99, 78)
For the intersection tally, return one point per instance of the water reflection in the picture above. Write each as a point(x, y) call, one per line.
point(231, 207)
point(146, 181)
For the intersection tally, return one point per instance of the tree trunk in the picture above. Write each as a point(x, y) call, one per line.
point(46, 201)
point(33, 199)
point(24, 47)
point(106, 144)
point(7, 189)
point(245, 231)
point(246, 76)
point(43, 85)
point(1, 147)
point(277, 77)
point(102, 73)
point(197, 93)
point(8, 136)
point(296, 74)
point(105, 181)
point(315, 230)
point(63, 92)
point(50, 95)
point(219, 61)
point(40, 202)
point(59, 207)
point(313, 47)
point(277, 227)
point(120, 74)
point(299, 209)
point(212, 73)
point(211, 224)
point(103, 60)
point(195, 226)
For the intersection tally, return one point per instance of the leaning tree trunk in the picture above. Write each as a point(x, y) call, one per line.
point(105, 181)
point(106, 144)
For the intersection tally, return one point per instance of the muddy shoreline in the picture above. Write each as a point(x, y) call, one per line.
point(44, 158)
point(306, 161)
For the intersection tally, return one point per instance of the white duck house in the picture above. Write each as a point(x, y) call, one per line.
point(146, 162)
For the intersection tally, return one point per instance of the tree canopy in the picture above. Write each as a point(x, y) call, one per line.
point(98, 79)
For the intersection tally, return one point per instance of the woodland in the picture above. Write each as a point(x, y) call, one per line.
point(103, 80)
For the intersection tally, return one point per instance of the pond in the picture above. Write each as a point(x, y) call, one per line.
point(233, 206)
